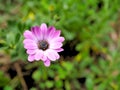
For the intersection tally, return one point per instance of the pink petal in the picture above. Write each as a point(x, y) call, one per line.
point(59, 50)
point(37, 32)
point(57, 33)
point(51, 31)
point(47, 63)
point(58, 39)
point(28, 35)
point(39, 55)
point(44, 57)
point(31, 58)
point(52, 55)
point(43, 29)
point(56, 45)
point(28, 41)
point(29, 51)
point(31, 46)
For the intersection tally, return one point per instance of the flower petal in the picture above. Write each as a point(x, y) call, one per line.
point(28, 35)
point(28, 41)
point(36, 31)
point(59, 50)
point(56, 45)
point(30, 51)
point(57, 33)
point(44, 57)
point(51, 31)
point(47, 63)
point(40, 55)
point(31, 46)
point(58, 39)
point(43, 29)
point(52, 55)
point(31, 58)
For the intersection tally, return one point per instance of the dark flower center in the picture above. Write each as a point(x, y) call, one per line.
point(43, 45)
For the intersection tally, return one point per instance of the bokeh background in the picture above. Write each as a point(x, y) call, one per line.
point(91, 56)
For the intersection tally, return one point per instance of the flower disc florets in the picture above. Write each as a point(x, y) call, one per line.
point(43, 45)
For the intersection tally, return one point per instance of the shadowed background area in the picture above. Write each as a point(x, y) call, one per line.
point(91, 56)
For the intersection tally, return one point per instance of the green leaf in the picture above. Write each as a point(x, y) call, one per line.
point(96, 69)
point(49, 84)
point(59, 83)
point(42, 85)
point(89, 83)
point(68, 66)
point(67, 85)
point(17, 37)
point(33, 88)
point(8, 88)
point(3, 79)
point(62, 73)
point(102, 86)
point(36, 75)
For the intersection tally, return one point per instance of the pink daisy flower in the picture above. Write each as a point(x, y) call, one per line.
point(43, 43)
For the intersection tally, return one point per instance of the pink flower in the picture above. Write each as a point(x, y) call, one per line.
point(43, 43)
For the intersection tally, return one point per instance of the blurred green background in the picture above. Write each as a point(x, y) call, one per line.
point(91, 56)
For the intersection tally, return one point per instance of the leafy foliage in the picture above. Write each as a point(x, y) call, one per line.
point(90, 60)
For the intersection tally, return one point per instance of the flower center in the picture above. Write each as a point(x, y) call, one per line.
point(43, 45)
